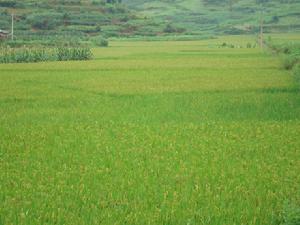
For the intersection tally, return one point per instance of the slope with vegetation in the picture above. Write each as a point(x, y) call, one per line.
point(91, 20)
point(58, 21)
point(219, 16)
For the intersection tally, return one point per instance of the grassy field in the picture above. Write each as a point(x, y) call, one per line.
point(150, 133)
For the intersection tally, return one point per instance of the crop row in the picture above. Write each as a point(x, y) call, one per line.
point(40, 54)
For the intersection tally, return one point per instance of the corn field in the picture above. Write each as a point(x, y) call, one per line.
point(41, 54)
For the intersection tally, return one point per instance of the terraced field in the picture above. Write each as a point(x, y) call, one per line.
point(150, 133)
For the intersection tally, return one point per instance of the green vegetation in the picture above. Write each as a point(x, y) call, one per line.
point(80, 21)
point(215, 17)
point(297, 73)
point(289, 51)
point(192, 128)
point(42, 54)
point(100, 41)
point(291, 214)
point(65, 54)
point(151, 133)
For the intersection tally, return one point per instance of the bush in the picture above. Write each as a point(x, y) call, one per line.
point(100, 41)
point(289, 61)
point(8, 3)
point(275, 19)
point(103, 42)
point(45, 21)
point(288, 49)
point(171, 29)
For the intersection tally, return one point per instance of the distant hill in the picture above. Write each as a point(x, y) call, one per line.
point(88, 19)
point(221, 16)
point(60, 19)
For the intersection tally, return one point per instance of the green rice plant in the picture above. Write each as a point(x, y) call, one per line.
point(150, 133)
point(296, 72)
point(291, 214)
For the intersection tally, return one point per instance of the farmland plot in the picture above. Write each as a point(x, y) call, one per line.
point(150, 133)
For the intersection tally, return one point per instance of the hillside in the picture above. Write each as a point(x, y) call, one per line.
point(86, 20)
point(216, 16)
point(71, 20)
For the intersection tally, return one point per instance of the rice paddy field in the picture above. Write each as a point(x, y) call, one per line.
point(150, 133)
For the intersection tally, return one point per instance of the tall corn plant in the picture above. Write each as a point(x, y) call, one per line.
point(67, 53)
point(26, 55)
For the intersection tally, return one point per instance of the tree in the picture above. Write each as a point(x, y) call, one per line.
point(113, 1)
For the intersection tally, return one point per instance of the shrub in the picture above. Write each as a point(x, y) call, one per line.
point(45, 21)
point(289, 61)
point(102, 42)
point(8, 3)
point(99, 41)
point(275, 19)
point(169, 29)
point(227, 45)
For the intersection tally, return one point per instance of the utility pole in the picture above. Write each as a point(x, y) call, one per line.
point(12, 26)
point(261, 28)
point(289, 7)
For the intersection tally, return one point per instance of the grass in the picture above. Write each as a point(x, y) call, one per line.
point(150, 133)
